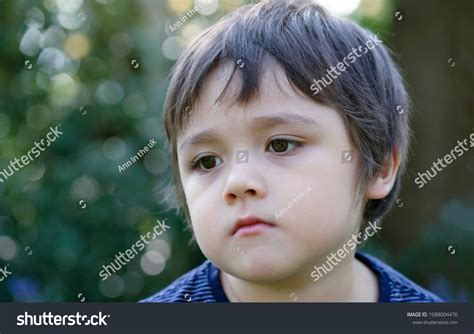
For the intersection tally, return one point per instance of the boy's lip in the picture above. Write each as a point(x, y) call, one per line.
point(249, 221)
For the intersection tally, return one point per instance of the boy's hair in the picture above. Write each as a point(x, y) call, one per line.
point(306, 41)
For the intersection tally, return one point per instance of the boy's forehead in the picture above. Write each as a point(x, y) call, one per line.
point(274, 93)
point(273, 82)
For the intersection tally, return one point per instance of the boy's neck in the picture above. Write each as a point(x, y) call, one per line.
point(350, 281)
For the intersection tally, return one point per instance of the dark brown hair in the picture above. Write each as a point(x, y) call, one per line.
point(306, 41)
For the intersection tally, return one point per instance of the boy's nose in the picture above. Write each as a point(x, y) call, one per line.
point(244, 180)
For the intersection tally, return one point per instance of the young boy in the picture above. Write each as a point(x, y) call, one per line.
point(288, 131)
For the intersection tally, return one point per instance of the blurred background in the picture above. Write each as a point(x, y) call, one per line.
point(99, 69)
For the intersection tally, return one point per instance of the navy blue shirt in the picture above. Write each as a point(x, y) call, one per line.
point(202, 285)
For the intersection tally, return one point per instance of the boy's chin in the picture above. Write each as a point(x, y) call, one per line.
point(258, 270)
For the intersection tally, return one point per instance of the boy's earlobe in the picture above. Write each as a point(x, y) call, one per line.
point(381, 186)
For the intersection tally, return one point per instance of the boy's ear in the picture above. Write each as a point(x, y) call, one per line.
point(383, 183)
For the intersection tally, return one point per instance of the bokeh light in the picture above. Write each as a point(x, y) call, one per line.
point(339, 7)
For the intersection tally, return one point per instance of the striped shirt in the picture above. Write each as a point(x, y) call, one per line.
point(202, 285)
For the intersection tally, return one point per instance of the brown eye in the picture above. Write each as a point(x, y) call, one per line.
point(279, 145)
point(205, 163)
point(208, 162)
point(282, 145)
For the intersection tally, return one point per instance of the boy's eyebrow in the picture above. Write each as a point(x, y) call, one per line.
point(260, 122)
point(271, 121)
point(202, 137)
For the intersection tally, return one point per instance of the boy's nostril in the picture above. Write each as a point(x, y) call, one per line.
point(252, 192)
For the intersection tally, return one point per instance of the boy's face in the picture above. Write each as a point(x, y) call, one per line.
point(281, 159)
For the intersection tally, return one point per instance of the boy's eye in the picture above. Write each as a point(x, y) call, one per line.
point(281, 145)
point(205, 163)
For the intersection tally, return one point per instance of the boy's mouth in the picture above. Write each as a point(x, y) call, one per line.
point(250, 226)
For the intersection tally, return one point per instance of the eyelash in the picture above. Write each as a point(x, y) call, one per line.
point(194, 165)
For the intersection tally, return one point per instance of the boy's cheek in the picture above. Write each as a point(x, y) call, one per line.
point(208, 236)
point(326, 208)
point(322, 226)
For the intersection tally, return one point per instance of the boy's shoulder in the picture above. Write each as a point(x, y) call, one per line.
point(394, 286)
point(194, 286)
